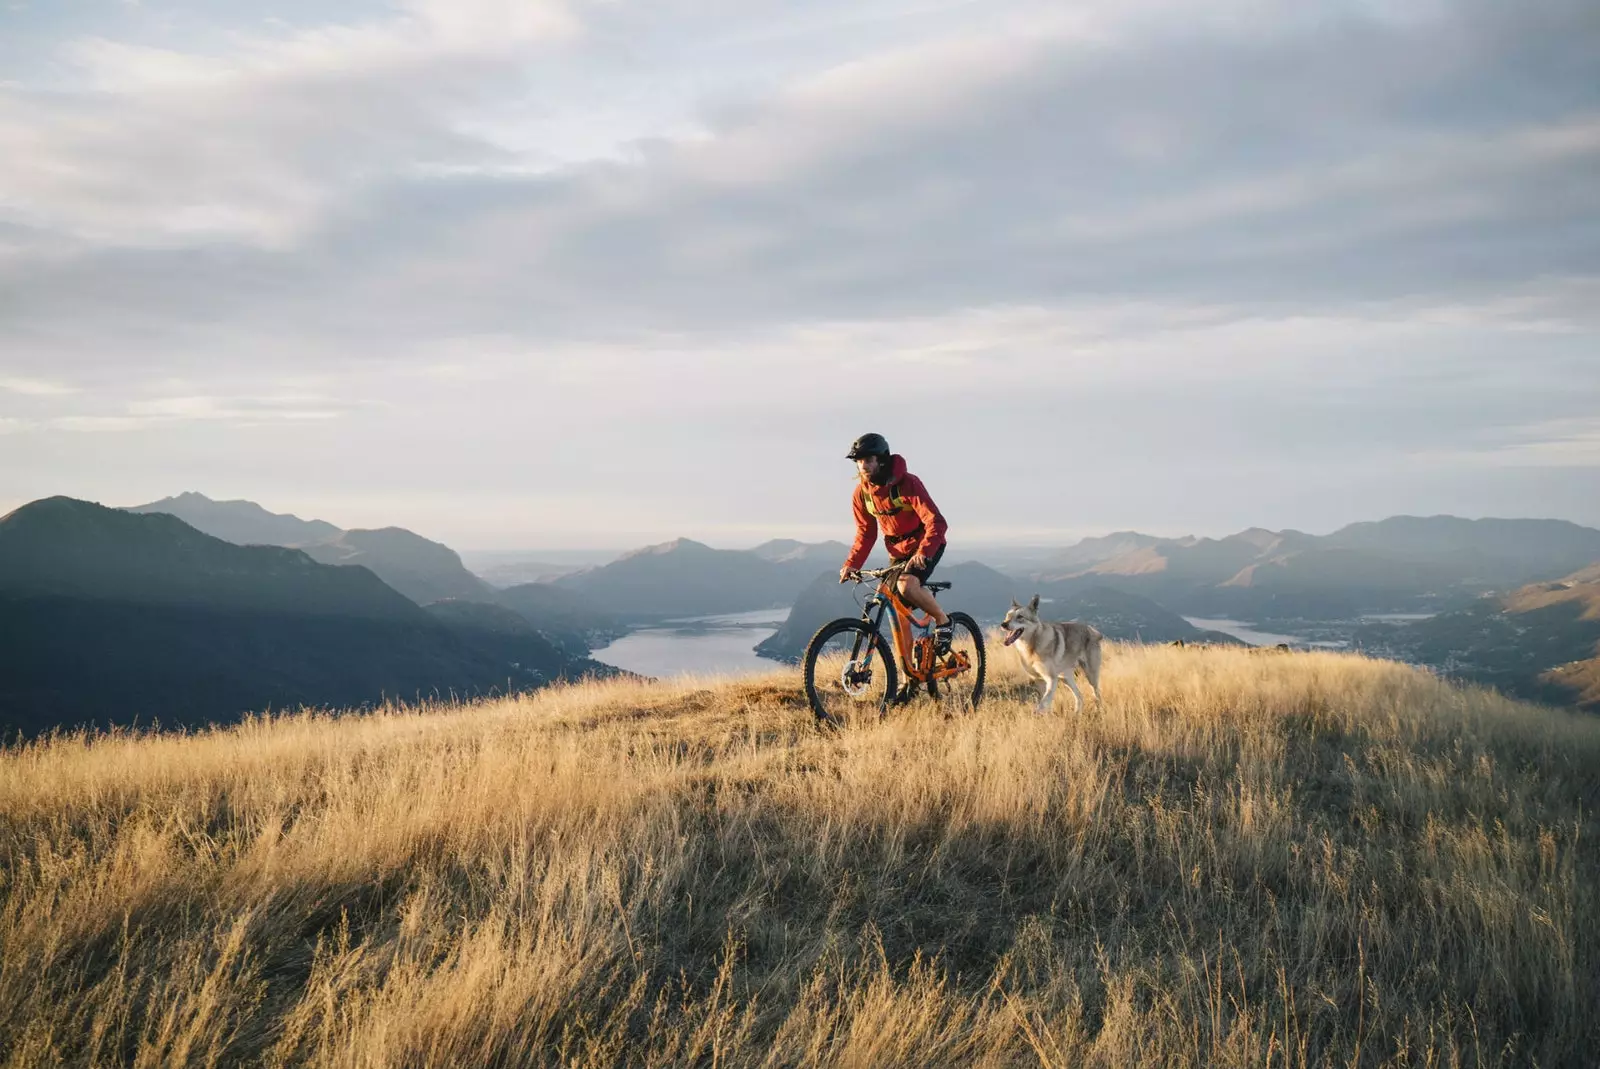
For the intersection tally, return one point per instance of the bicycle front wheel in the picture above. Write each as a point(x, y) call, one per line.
point(848, 671)
point(957, 681)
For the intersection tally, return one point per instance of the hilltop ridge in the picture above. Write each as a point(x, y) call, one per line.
point(1317, 855)
point(239, 521)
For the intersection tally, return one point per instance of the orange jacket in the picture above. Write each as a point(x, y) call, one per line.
point(911, 525)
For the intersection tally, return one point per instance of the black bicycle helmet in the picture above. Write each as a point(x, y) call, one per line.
point(868, 445)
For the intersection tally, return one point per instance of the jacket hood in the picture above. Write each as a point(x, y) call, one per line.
point(897, 471)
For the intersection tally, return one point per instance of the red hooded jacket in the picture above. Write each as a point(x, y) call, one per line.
point(917, 527)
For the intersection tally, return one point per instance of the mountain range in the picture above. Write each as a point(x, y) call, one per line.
point(420, 569)
point(105, 610)
point(240, 522)
point(1404, 563)
point(423, 570)
point(687, 578)
point(263, 610)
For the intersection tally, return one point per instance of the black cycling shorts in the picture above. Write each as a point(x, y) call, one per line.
point(926, 570)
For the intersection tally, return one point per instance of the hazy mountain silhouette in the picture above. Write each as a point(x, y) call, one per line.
point(1491, 552)
point(789, 551)
point(514, 640)
point(61, 546)
point(1091, 551)
point(688, 578)
point(421, 569)
point(243, 523)
point(1401, 563)
point(109, 616)
point(515, 573)
point(562, 614)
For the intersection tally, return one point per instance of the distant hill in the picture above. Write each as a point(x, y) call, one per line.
point(1091, 551)
point(243, 523)
point(504, 574)
point(1493, 552)
point(1118, 614)
point(423, 570)
point(1403, 563)
point(562, 615)
point(788, 551)
point(1541, 641)
point(688, 578)
point(1328, 582)
point(515, 641)
point(113, 615)
point(799, 563)
point(420, 569)
point(986, 594)
point(69, 548)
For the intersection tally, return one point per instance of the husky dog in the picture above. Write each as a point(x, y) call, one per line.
point(1054, 651)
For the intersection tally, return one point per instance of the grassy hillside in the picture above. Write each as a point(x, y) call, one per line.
point(1241, 859)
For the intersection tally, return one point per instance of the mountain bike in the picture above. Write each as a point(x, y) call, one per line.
point(850, 669)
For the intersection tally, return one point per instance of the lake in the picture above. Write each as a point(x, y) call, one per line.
point(697, 645)
point(1245, 633)
point(724, 644)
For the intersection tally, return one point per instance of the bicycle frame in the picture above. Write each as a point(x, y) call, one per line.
point(916, 655)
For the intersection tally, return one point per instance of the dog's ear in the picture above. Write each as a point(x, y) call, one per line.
point(1033, 606)
point(1014, 603)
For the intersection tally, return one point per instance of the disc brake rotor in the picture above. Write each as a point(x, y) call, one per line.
point(855, 681)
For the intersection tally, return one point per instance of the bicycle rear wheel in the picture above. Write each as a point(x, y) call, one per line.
point(960, 693)
point(848, 671)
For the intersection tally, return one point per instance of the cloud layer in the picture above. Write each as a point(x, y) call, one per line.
point(1291, 264)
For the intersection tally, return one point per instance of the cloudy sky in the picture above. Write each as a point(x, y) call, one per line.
point(599, 273)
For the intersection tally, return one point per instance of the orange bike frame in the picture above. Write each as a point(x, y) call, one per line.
point(917, 658)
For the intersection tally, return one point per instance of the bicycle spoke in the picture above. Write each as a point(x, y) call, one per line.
point(959, 689)
point(847, 675)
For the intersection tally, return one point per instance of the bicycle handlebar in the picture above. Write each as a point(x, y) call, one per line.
point(862, 575)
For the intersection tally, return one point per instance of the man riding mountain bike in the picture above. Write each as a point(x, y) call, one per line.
point(889, 498)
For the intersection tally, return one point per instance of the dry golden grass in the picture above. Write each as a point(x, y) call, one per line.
point(1581, 679)
point(1238, 860)
point(1585, 594)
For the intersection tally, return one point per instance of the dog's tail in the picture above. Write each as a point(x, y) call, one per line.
point(1091, 661)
